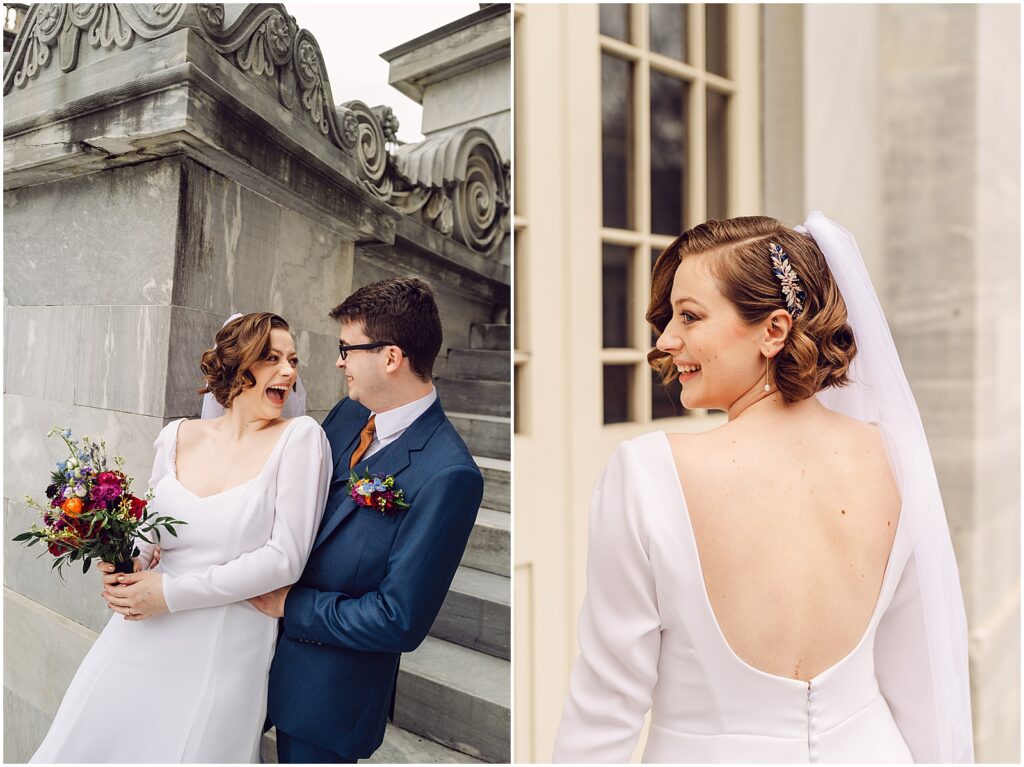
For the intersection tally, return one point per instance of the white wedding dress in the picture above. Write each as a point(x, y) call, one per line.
point(190, 685)
point(649, 640)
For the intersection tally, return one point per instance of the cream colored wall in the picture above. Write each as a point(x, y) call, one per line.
point(994, 580)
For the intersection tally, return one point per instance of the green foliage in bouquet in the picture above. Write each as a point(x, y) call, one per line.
point(92, 513)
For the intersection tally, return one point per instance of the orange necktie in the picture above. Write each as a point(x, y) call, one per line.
point(365, 438)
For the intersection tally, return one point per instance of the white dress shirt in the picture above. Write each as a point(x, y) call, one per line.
point(392, 424)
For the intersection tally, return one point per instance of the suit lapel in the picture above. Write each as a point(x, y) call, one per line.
point(392, 460)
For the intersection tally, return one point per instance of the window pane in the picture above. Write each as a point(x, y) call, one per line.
point(615, 296)
point(668, 152)
point(618, 393)
point(616, 140)
point(615, 20)
point(718, 154)
point(716, 22)
point(665, 399)
point(668, 29)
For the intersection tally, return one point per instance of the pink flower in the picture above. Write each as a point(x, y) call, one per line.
point(105, 492)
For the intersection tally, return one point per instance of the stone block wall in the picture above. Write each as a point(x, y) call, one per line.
point(115, 283)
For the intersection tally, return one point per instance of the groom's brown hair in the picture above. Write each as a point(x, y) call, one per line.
point(401, 310)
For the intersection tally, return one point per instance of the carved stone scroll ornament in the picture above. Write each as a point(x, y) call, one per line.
point(366, 133)
point(465, 169)
point(62, 25)
point(433, 206)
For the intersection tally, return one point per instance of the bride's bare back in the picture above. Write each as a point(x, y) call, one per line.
point(794, 521)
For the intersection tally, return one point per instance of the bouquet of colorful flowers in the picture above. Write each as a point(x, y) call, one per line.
point(377, 492)
point(92, 513)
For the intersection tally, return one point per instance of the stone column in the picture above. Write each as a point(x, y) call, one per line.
point(951, 127)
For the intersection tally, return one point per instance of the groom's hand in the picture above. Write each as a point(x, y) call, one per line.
point(272, 603)
point(137, 596)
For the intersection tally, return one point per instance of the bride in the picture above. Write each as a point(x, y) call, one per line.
point(781, 588)
point(251, 484)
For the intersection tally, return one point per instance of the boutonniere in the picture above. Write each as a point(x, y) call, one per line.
point(376, 491)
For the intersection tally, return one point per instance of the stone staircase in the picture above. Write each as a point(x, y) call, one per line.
point(454, 691)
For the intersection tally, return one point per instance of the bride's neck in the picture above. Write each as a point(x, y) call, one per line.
point(760, 405)
point(240, 421)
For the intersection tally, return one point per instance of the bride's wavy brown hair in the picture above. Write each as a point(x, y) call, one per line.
point(240, 344)
point(820, 347)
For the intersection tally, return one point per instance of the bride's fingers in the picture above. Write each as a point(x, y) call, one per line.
point(115, 601)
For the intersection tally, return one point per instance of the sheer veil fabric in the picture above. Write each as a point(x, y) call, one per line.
point(294, 406)
point(934, 692)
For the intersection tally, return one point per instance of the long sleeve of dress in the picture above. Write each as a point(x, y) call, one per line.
point(619, 629)
point(303, 478)
point(160, 470)
point(934, 725)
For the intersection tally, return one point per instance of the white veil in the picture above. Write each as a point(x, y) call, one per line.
point(879, 392)
point(295, 405)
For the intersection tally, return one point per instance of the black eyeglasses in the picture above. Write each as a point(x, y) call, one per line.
point(343, 349)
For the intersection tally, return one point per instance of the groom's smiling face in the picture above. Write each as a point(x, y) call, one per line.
point(364, 369)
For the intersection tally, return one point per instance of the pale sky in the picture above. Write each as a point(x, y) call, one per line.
point(353, 35)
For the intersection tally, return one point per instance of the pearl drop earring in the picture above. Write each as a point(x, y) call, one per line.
point(767, 387)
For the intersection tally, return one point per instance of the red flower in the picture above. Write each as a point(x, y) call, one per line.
point(56, 549)
point(138, 506)
point(108, 478)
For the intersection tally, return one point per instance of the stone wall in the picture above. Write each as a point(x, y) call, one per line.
point(106, 316)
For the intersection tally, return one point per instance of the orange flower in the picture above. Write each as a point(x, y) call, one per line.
point(73, 506)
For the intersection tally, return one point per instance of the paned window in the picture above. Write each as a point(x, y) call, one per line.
point(666, 117)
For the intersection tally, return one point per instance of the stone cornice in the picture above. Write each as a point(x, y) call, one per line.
point(470, 202)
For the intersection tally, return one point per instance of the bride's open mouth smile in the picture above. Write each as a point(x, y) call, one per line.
point(277, 394)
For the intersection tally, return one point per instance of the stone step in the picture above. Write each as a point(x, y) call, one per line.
point(497, 482)
point(403, 747)
point(457, 697)
point(476, 397)
point(399, 747)
point(490, 337)
point(489, 546)
point(489, 436)
point(479, 364)
point(477, 612)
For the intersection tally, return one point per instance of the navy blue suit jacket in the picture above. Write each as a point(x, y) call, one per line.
point(373, 584)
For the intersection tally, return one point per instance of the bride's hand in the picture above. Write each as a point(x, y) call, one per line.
point(136, 596)
point(271, 603)
point(110, 577)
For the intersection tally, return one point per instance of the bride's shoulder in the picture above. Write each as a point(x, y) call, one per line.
point(304, 429)
point(642, 454)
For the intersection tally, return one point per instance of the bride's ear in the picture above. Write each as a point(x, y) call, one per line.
point(777, 328)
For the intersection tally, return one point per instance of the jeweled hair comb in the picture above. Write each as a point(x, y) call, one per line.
point(792, 290)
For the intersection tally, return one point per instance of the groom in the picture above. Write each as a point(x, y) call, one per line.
point(375, 581)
